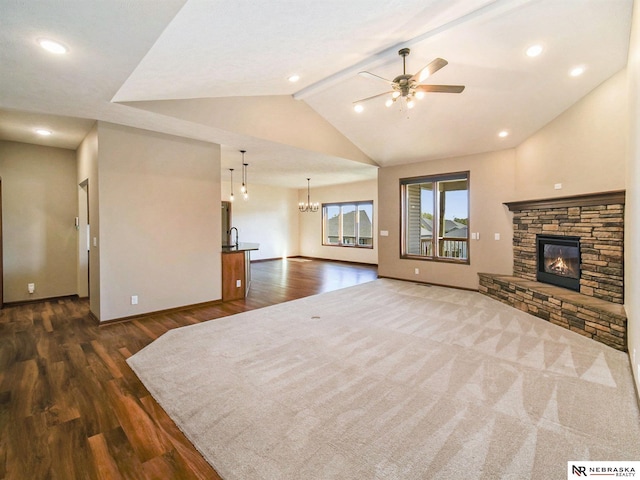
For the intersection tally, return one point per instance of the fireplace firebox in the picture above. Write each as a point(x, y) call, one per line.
point(558, 260)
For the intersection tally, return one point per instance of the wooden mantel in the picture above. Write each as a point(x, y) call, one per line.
point(602, 198)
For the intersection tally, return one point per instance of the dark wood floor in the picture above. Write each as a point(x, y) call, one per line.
point(71, 408)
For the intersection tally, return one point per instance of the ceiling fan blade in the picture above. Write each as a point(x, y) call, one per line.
point(374, 96)
point(375, 77)
point(429, 70)
point(439, 88)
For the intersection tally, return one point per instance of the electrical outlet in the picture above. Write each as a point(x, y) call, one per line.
point(238, 283)
point(31, 287)
point(134, 299)
point(417, 271)
point(558, 186)
point(496, 236)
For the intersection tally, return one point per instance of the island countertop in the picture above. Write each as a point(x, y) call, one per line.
point(241, 247)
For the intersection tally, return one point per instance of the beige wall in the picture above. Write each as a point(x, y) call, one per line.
point(584, 148)
point(632, 220)
point(269, 217)
point(491, 183)
point(39, 209)
point(311, 223)
point(159, 234)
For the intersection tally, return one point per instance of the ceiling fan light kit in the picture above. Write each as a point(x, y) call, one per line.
point(407, 86)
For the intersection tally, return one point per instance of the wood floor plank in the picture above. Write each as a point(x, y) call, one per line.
point(146, 439)
point(70, 406)
point(64, 404)
point(24, 393)
point(145, 329)
point(125, 352)
point(69, 451)
point(198, 466)
point(109, 362)
point(129, 465)
point(105, 465)
point(28, 454)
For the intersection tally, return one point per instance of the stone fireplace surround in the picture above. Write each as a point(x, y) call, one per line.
point(597, 311)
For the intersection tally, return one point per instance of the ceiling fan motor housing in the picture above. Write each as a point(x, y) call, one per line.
point(404, 85)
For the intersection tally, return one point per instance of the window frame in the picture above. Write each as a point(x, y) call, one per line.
point(435, 179)
point(341, 242)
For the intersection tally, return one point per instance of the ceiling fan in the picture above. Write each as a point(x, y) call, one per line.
point(408, 86)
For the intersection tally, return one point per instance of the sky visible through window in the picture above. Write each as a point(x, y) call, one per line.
point(456, 203)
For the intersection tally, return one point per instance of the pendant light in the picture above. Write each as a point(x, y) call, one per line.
point(308, 207)
point(244, 190)
point(231, 196)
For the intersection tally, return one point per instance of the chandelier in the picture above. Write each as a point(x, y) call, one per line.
point(308, 207)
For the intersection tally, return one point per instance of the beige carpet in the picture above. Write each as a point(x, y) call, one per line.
point(393, 380)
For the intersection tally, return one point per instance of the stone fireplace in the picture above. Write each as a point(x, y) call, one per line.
point(576, 244)
point(598, 220)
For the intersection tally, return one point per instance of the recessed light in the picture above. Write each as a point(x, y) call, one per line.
point(534, 50)
point(358, 108)
point(503, 134)
point(576, 71)
point(294, 78)
point(43, 131)
point(52, 46)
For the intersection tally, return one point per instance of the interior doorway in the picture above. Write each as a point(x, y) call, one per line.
point(84, 234)
point(1, 254)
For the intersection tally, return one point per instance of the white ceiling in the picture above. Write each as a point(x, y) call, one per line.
point(123, 52)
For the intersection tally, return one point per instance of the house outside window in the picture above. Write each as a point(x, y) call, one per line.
point(435, 217)
point(348, 224)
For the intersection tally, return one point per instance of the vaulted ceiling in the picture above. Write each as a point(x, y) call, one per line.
point(218, 71)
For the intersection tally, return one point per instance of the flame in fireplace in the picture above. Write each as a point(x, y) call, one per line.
point(559, 266)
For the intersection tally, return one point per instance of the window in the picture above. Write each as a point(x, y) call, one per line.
point(348, 224)
point(435, 217)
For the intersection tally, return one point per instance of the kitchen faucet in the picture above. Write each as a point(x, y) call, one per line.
point(230, 235)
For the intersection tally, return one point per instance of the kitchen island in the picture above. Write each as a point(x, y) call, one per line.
point(236, 270)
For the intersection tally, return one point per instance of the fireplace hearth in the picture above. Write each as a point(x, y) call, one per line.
point(588, 294)
point(558, 260)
